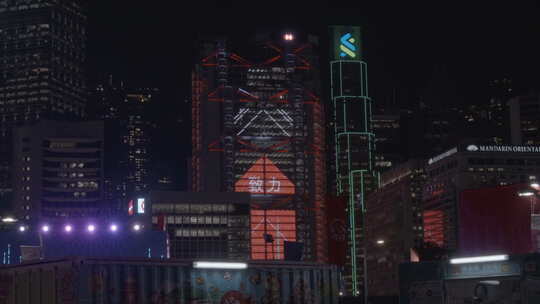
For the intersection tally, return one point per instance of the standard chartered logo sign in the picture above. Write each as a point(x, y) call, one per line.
point(347, 47)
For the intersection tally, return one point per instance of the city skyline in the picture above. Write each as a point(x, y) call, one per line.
point(377, 147)
point(414, 52)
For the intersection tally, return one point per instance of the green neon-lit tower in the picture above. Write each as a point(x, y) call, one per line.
point(354, 141)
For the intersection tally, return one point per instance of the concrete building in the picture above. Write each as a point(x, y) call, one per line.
point(58, 170)
point(468, 167)
point(525, 120)
point(204, 224)
point(393, 226)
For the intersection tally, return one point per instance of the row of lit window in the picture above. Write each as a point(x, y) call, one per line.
point(70, 174)
point(485, 169)
point(192, 208)
point(194, 220)
point(72, 165)
point(91, 185)
point(198, 232)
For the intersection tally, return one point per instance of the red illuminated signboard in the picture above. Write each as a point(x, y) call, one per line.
point(434, 227)
point(131, 210)
point(264, 178)
point(280, 225)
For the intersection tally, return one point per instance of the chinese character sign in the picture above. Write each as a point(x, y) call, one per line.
point(264, 177)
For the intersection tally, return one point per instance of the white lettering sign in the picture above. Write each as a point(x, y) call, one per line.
point(517, 149)
point(441, 156)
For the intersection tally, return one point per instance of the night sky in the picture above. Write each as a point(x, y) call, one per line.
point(151, 43)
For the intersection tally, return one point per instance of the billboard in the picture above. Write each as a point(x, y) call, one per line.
point(140, 205)
point(278, 226)
point(346, 42)
point(337, 230)
point(264, 178)
point(493, 220)
point(434, 227)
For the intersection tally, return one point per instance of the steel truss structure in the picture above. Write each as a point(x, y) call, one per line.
point(258, 127)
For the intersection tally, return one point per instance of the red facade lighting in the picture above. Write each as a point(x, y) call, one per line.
point(264, 178)
point(279, 224)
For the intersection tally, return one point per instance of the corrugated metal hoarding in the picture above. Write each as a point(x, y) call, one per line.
point(146, 281)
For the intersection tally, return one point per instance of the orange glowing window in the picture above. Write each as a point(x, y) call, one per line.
point(264, 178)
point(278, 225)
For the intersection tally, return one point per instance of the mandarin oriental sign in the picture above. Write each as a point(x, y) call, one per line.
point(518, 149)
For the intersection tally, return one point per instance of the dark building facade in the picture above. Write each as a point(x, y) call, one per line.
point(204, 224)
point(258, 127)
point(126, 113)
point(394, 227)
point(58, 170)
point(525, 120)
point(469, 167)
point(389, 150)
point(42, 56)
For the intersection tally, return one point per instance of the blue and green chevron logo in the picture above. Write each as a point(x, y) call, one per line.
point(347, 47)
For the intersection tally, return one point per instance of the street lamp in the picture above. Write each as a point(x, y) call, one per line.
point(479, 259)
point(525, 193)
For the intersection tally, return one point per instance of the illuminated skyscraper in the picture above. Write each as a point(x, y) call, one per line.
point(42, 58)
point(258, 127)
point(354, 139)
point(128, 125)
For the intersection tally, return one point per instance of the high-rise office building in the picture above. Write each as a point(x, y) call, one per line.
point(354, 139)
point(394, 225)
point(258, 127)
point(128, 125)
point(42, 56)
point(525, 120)
point(389, 150)
point(472, 166)
point(58, 170)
